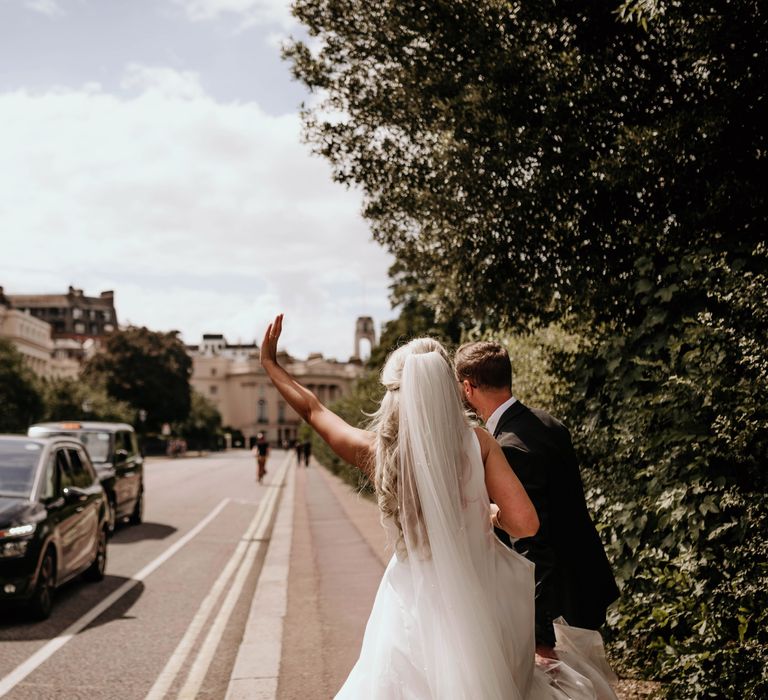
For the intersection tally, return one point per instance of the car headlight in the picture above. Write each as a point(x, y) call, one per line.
point(18, 531)
point(12, 547)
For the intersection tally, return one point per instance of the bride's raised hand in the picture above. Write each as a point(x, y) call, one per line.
point(269, 344)
point(351, 444)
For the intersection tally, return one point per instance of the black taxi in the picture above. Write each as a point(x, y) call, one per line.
point(114, 451)
point(53, 519)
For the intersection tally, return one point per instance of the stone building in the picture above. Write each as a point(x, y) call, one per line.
point(29, 335)
point(232, 377)
point(72, 315)
point(77, 323)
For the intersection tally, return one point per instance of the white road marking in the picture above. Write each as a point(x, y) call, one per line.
point(183, 649)
point(207, 651)
point(46, 651)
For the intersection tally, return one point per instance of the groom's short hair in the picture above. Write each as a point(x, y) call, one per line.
point(485, 364)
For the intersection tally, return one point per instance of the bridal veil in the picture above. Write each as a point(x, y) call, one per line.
point(467, 649)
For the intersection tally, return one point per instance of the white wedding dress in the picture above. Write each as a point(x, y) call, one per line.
point(454, 620)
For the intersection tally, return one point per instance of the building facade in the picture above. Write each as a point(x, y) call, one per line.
point(76, 324)
point(232, 378)
point(30, 336)
point(72, 315)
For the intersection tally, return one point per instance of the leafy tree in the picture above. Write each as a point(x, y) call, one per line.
point(147, 369)
point(601, 167)
point(20, 400)
point(203, 424)
point(550, 139)
point(74, 399)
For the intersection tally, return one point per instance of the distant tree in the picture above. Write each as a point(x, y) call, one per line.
point(20, 399)
point(147, 369)
point(203, 424)
point(75, 399)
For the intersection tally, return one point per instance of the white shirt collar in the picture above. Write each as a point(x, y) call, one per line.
point(493, 421)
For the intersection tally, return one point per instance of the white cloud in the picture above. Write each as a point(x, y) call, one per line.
point(204, 217)
point(249, 12)
point(49, 8)
point(166, 82)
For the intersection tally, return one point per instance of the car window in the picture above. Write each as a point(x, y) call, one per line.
point(97, 443)
point(123, 442)
point(134, 450)
point(80, 476)
point(63, 470)
point(87, 464)
point(48, 486)
point(18, 466)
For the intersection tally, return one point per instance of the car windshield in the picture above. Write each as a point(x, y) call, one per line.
point(97, 444)
point(95, 441)
point(18, 462)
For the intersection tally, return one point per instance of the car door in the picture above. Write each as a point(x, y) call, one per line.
point(128, 471)
point(68, 515)
point(122, 493)
point(86, 527)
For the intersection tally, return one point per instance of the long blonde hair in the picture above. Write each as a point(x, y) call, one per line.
point(386, 424)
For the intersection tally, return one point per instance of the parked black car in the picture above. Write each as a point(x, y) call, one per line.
point(114, 451)
point(53, 519)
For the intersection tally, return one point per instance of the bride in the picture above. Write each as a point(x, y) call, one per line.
point(453, 618)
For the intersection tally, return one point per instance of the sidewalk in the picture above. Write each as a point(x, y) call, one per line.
point(338, 555)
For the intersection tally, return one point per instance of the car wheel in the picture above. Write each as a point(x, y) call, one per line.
point(41, 603)
point(138, 510)
point(111, 516)
point(95, 572)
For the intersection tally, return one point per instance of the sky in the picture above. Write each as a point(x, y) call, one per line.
point(153, 148)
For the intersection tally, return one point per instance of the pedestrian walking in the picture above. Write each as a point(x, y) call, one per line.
point(306, 451)
point(261, 452)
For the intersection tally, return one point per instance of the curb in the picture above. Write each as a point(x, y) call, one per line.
point(257, 665)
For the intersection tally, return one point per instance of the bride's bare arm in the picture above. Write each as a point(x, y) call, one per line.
point(516, 515)
point(352, 444)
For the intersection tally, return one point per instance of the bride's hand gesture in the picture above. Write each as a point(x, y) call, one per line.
point(351, 444)
point(269, 344)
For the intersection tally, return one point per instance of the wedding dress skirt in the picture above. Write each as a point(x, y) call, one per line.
point(393, 661)
point(414, 648)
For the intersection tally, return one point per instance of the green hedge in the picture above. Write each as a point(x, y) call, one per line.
point(671, 419)
point(355, 409)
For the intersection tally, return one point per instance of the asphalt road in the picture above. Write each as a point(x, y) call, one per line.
point(197, 511)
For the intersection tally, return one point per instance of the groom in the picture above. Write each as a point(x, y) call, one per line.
point(573, 577)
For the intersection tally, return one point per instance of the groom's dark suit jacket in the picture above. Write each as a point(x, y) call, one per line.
point(573, 576)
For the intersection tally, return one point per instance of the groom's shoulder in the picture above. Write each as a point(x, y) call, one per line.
point(540, 420)
point(546, 418)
